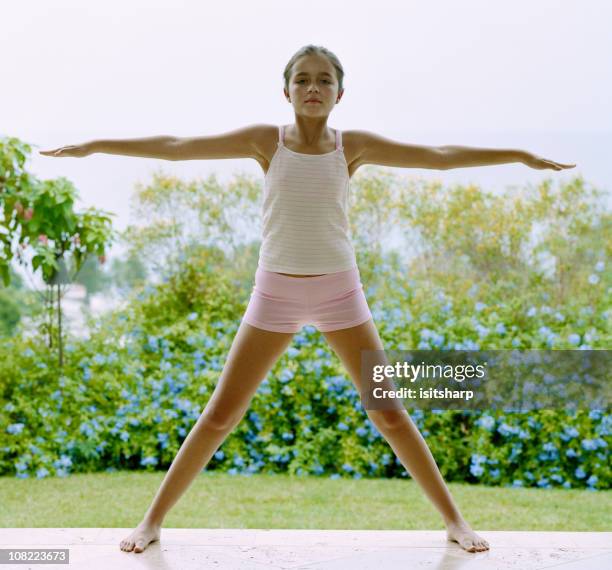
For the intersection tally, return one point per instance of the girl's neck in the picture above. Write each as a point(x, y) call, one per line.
point(311, 132)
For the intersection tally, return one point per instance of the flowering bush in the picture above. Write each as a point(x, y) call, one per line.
point(129, 394)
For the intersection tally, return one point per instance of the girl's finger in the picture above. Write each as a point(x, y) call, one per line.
point(562, 165)
point(554, 165)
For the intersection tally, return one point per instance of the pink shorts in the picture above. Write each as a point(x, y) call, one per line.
point(330, 302)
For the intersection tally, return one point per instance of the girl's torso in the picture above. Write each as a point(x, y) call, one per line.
point(270, 145)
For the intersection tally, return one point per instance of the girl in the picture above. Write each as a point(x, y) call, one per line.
point(307, 271)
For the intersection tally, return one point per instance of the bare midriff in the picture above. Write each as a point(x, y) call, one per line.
point(291, 275)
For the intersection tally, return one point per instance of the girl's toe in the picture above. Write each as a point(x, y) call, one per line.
point(139, 546)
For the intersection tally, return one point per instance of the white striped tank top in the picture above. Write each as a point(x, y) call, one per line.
point(305, 212)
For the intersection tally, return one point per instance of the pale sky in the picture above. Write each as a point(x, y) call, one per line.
point(519, 74)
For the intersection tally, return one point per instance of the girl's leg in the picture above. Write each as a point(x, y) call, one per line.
point(402, 434)
point(253, 353)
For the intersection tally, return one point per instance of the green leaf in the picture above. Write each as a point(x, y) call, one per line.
point(4, 271)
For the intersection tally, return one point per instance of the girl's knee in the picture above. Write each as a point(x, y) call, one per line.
point(388, 419)
point(219, 420)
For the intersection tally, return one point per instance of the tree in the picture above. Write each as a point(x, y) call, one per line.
point(38, 219)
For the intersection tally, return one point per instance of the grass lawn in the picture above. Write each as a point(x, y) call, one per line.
point(218, 500)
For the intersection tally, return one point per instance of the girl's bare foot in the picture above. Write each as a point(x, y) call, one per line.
point(463, 534)
point(141, 537)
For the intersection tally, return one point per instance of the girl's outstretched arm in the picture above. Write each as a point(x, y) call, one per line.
point(149, 147)
point(374, 149)
point(244, 142)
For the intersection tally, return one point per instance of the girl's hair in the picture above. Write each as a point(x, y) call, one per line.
point(319, 50)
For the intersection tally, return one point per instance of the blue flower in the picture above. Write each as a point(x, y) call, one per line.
point(579, 473)
point(593, 279)
point(482, 330)
point(148, 460)
point(487, 422)
point(347, 467)
point(588, 444)
point(192, 316)
point(517, 483)
point(476, 470)
point(342, 426)
point(480, 306)
point(544, 331)
point(286, 375)
point(99, 359)
point(86, 429)
point(63, 461)
point(335, 476)
point(570, 432)
point(571, 453)
point(15, 429)
point(507, 430)
point(41, 473)
point(599, 266)
point(532, 311)
point(592, 480)
point(477, 458)
point(574, 339)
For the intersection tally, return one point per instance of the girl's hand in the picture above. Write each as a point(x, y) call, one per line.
point(540, 163)
point(71, 150)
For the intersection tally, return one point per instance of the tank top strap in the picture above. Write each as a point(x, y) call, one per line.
point(338, 139)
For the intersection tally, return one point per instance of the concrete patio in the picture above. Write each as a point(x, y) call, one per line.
point(185, 549)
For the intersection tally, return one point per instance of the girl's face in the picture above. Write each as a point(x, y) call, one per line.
point(313, 77)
